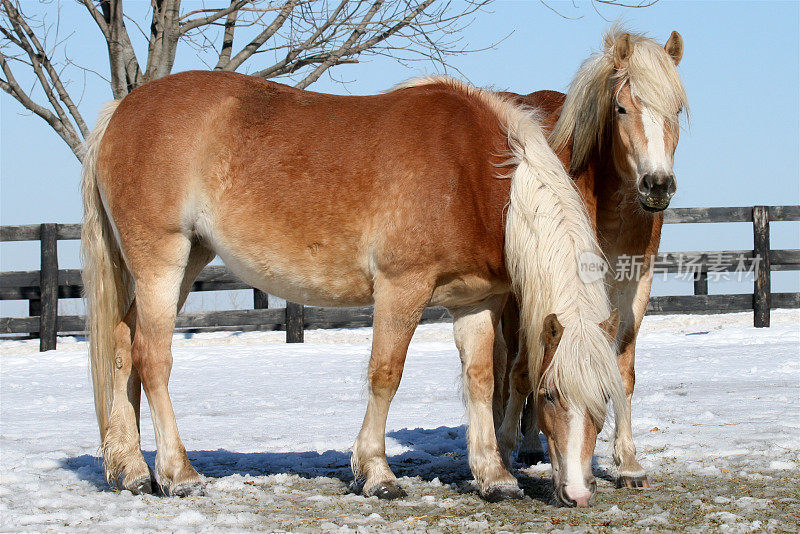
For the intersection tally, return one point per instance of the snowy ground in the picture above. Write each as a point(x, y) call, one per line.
point(716, 419)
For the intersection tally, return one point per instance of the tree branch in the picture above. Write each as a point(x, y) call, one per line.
point(164, 35)
point(39, 60)
point(125, 71)
point(202, 21)
point(64, 130)
point(227, 39)
point(98, 17)
point(262, 37)
point(308, 44)
point(349, 48)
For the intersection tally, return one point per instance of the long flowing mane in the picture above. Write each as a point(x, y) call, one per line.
point(586, 115)
point(547, 228)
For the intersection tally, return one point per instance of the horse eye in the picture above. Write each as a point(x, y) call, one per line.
point(680, 110)
point(621, 110)
point(548, 396)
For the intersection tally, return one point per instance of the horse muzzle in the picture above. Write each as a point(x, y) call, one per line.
point(656, 189)
point(576, 497)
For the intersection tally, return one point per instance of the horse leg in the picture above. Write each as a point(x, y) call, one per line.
point(530, 450)
point(631, 473)
point(158, 284)
point(634, 299)
point(199, 257)
point(510, 331)
point(474, 329)
point(519, 389)
point(398, 307)
point(500, 372)
point(122, 454)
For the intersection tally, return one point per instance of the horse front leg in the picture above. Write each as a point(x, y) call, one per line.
point(519, 389)
point(633, 298)
point(530, 449)
point(500, 360)
point(474, 329)
point(631, 473)
point(399, 304)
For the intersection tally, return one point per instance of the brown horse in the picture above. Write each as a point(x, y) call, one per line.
point(394, 199)
point(616, 131)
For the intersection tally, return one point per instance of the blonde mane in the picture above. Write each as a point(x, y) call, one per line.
point(547, 229)
point(586, 115)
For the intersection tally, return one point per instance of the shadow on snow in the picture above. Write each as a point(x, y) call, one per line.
point(429, 454)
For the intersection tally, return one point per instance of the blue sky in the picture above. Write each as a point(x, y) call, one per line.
point(741, 68)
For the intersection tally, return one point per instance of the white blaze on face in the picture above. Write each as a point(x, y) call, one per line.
point(575, 486)
point(657, 158)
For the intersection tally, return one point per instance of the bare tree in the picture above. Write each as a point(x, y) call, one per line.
point(300, 39)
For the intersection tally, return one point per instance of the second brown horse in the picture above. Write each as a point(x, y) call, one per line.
point(616, 131)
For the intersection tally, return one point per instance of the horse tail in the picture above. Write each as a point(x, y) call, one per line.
point(106, 288)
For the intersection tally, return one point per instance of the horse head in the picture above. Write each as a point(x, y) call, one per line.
point(647, 100)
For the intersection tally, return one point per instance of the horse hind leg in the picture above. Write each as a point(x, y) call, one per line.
point(122, 455)
point(159, 275)
point(199, 257)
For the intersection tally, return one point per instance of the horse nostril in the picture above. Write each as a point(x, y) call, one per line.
point(645, 184)
point(565, 500)
point(592, 490)
point(672, 186)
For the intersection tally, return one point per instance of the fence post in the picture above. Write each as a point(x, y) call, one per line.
point(294, 322)
point(260, 300)
point(761, 284)
point(48, 286)
point(34, 310)
point(701, 283)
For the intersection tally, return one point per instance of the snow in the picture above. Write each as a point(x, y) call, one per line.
point(716, 412)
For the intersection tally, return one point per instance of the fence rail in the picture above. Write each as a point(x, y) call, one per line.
point(44, 287)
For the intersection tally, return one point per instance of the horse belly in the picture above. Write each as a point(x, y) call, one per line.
point(294, 266)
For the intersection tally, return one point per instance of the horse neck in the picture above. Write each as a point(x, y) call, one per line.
point(623, 227)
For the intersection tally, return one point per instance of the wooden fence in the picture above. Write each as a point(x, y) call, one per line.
point(43, 288)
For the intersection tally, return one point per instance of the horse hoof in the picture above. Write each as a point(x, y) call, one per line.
point(633, 482)
point(502, 493)
point(186, 489)
point(531, 457)
point(140, 486)
point(389, 491)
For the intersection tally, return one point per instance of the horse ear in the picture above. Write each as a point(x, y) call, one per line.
point(551, 334)
point(611, 325)
point(622, 50)
point(674, 47)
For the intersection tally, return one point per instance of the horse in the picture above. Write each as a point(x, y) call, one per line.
point(435, 193)
point(616, 131)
